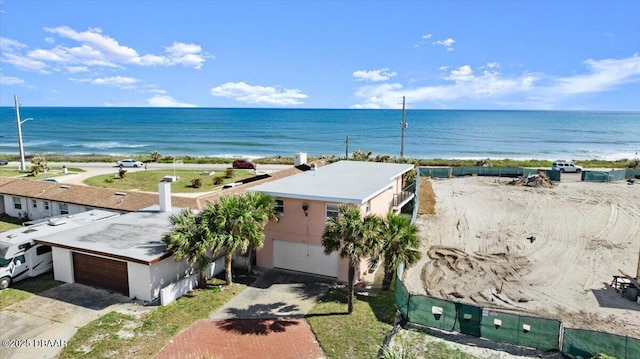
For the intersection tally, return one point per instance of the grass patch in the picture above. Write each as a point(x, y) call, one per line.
point(11, 171)
point(8, 222)
point(116, 335)
point(148, 180)
point(24, 289)
point(356, 335)
point(426, 197)
point(416, 344)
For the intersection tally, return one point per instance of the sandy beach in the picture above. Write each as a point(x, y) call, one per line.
point(476, 249)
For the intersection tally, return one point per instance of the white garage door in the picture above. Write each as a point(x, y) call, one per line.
point(304, 258)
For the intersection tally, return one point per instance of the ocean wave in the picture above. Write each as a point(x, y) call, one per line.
point(105, 145)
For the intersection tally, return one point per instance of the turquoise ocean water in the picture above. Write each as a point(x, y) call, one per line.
point(269, 132)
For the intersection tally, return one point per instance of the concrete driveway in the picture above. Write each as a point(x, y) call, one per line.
point(40, 326)
point(275, 294)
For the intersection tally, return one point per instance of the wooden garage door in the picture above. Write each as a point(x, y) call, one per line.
point(306, 258)
point(101, 272)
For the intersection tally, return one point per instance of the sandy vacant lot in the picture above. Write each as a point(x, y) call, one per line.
point(476, 249)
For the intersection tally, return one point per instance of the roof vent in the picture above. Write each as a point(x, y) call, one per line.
point(120, 194)
point(64, 186)
point(57, 221)
point(12, 235)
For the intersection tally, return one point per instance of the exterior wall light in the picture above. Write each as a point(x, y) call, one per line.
point(305, 208)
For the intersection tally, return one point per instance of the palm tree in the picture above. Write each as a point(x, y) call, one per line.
point(355, 237)
point(191, 240)
point(238, 223)
point(400, 244)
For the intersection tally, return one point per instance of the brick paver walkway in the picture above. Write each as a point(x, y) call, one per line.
point(244, 338)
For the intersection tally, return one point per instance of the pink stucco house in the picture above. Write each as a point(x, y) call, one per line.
point(306, 200)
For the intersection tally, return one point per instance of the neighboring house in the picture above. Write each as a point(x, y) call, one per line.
point(123, 253)
point(32, 199)
point(305, 201)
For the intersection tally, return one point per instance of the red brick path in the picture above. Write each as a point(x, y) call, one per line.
point(245, 338)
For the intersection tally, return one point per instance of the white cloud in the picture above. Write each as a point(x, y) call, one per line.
point(95, 49)
point(603, 75)
point(76, 69)
point(461, 82)
point(424, 37)
point(243, 92)
point(128, 83)
point(10, 80)
point(535, 90)
point(447, 44)
point(373, 75)
point(166, 101)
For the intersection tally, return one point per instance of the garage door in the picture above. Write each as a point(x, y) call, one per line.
point(101, 272)
point(304, 258)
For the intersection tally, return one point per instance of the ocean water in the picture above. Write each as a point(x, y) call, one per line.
point(269, 132)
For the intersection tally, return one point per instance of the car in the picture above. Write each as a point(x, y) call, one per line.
point(129, 163)
point(243, 164)
point(564, 166)
point(3, 162)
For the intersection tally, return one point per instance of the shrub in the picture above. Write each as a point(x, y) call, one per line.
point(218, 180)
point(196, 183)
point(155, 156)
point(122, 173)
point(109, 180)
point(41, 164)
point(228, 173)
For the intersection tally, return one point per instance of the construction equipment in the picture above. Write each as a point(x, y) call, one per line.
point(633, 281)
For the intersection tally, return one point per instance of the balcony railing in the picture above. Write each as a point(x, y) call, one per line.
point(404, 196)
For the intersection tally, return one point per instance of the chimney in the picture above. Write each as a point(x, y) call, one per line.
point(164, 192)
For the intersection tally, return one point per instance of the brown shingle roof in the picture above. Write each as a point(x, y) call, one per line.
point(120, 200)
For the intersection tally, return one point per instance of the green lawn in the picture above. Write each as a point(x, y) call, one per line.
point(10, 171)
point(356, 335)
point(26, 288)
point(148, 180)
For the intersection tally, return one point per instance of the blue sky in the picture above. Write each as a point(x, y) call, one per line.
point(322, 54)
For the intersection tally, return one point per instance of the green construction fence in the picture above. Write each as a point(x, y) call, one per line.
point(448, 172)
point(578, 343)
point(533, 332)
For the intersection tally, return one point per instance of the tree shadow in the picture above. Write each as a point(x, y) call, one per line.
point(303, 285)
point(272, 310)
point(256, 326)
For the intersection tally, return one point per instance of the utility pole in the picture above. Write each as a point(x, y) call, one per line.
point(20, 145)
point(404, 126)
point(346, 148)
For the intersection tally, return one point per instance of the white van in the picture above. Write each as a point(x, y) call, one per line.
point(22, 257)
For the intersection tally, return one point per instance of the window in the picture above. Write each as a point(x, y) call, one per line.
point(46, 205)
point(367, 208)
point(332, 211)
point(64, 208)
point(42, 250)
point(17, 203)
point(279, 207)
point(34, 203)
point(19, 258)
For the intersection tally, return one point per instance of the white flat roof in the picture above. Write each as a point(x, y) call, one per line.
point(342, 182)
point(48, 226)
point(135, 236)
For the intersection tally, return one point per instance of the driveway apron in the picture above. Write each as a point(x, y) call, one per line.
point(40, 326)
point(265, 320)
